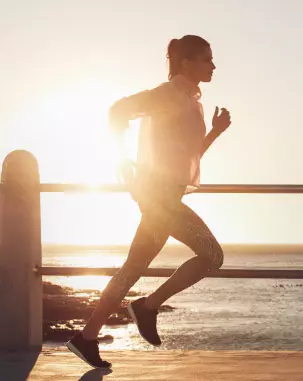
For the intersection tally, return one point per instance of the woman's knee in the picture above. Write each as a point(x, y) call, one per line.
point(217, 257)
point(212, 255)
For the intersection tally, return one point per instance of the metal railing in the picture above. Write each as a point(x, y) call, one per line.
point(207, 188)
point(21, 267)
point(167, 272)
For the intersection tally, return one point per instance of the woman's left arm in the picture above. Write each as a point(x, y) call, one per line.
point(220, 123)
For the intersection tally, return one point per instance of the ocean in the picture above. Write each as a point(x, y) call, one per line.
point(214, 314)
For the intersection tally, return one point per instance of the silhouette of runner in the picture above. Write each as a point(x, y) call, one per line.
point(172, 142)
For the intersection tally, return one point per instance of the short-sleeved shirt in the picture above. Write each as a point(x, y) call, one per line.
point(172, 130)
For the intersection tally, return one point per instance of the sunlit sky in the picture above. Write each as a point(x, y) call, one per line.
point(63, 63)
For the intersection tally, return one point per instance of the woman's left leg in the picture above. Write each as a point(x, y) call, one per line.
point(146, 244)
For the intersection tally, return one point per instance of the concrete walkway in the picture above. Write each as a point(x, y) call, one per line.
point(61, 365)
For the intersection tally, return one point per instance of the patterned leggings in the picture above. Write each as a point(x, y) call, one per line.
point(163, 215)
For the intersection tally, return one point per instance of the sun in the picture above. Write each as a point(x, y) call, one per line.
point(67, 130)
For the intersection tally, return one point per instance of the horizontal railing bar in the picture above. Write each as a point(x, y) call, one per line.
point(82, 188)
point(249, 188)
point(166, 272)
point(205, 188)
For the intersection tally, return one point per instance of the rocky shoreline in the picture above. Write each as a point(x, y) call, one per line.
point(66, 310)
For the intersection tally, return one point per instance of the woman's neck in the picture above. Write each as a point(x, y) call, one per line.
point(190, 78)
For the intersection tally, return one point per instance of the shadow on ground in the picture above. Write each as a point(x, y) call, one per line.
point(95, 375)
point(17, 366)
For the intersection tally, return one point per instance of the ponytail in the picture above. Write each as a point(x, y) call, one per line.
point(174, 57)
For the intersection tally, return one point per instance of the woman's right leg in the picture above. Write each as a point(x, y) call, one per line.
point(146, 245)
point(187, 227)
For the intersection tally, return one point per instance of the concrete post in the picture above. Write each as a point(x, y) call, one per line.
point(20, 251)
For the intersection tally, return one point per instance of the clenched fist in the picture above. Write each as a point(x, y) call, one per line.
point(222, 121)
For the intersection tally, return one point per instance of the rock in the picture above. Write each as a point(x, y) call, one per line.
point(66, 310)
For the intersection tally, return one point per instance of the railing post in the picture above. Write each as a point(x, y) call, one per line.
point(20, 237)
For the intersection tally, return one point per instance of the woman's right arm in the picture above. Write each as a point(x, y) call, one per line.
point(124, 110)
point(121, 112)
point(135, 106)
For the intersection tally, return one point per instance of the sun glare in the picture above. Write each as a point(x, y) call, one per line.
point(93, 260)
point(67, 130)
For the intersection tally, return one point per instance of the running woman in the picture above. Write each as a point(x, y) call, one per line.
point(172, 142)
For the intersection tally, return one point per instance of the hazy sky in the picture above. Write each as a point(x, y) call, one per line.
point(64, 62)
